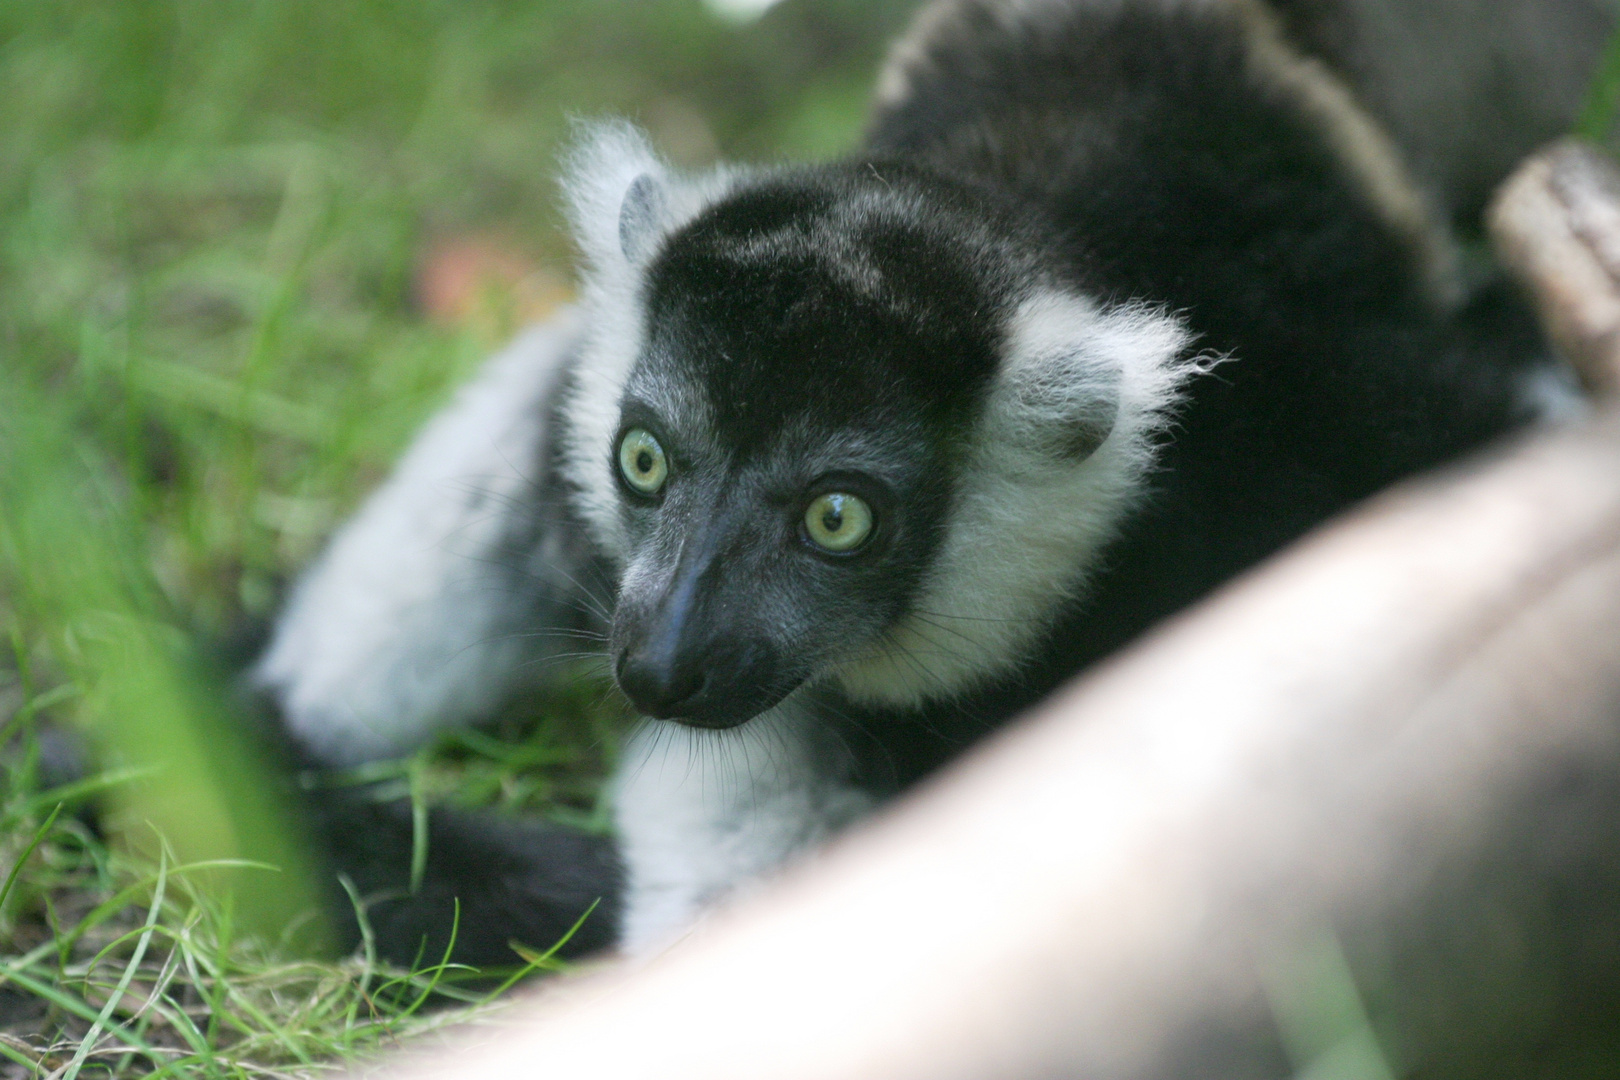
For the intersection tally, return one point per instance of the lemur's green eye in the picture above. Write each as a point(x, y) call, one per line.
point(838, 522)
point(642, 461)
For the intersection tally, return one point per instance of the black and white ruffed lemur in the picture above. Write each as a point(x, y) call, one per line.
point(847, 464)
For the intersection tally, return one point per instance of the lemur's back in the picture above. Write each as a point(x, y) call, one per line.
point(1194, 157)
point(1465, 88)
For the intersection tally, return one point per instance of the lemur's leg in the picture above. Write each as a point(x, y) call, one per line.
point(704, 813)
point(459, 576)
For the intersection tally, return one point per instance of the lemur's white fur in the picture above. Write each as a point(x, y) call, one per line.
point(402, 626)
point(700, 813)
point(1027, 523)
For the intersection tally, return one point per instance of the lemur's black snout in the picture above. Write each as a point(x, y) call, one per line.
point(658, 689)
point(712, 684)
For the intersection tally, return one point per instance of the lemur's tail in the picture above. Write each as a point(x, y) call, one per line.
point(490, 880)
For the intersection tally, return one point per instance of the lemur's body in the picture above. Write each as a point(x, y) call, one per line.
point(1120, 296)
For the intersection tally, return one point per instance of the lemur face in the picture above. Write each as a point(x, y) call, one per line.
point(788, 444)
point(848, 423)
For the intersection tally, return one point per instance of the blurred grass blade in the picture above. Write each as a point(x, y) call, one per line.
point(40, 834)
point(70, 555)
point(1603, 98)
point(185, 385)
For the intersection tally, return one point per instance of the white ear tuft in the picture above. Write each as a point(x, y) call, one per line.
point(623, 200)
point(1057, 395)
point(1073, 372)
point(612, 173)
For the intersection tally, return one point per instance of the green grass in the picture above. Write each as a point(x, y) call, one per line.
point(212, 219)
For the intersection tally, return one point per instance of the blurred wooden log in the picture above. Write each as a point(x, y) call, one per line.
point(1556, 224)
point(1399, 736)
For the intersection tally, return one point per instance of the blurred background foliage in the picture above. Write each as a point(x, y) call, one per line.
point(245, 247)
point(215, 215)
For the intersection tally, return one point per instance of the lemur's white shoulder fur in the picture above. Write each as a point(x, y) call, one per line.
point(400, 627)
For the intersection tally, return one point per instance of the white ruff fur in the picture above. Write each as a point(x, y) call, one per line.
point(399, 628)
point(1026, 525)
point(701, 812)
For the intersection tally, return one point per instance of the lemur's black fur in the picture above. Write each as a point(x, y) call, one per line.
point(1181, 157)
point(1172, 176)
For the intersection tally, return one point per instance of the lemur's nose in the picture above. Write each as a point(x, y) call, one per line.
point(659, 686)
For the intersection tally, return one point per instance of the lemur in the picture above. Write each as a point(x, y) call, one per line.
point(847, 464)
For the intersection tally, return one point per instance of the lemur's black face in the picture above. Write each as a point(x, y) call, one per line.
point(787, 446)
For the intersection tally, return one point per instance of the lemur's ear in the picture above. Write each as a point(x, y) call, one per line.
point(618, 194)
point(643, 217)
point(1073, 373)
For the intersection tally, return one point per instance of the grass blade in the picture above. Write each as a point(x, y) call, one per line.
point(73, 1006)
point(39, 834)
point(1603, 98)
point(94, 1034)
